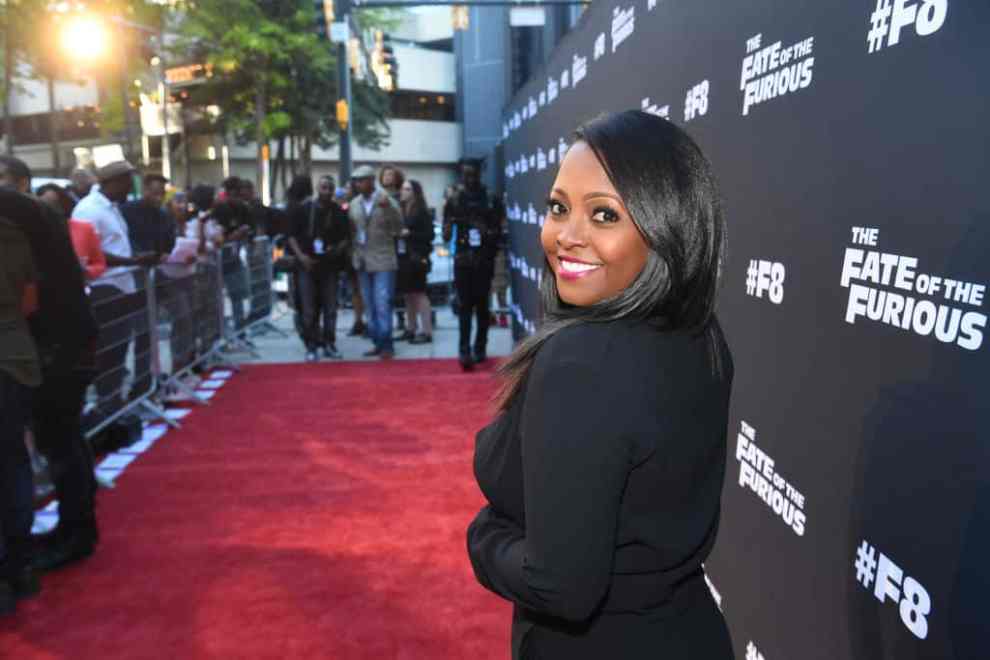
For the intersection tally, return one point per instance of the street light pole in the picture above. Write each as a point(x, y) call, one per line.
point(342, 14)
point(8, 77)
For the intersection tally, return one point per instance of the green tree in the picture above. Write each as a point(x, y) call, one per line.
point(32, 46)
point(273, 77)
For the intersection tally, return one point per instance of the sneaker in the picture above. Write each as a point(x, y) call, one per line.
point(386, 355)
point(467, 363)
point(311, 356)
point(480, 355)
point(375, 352)
point(406, 336)
point(359, 328)
point(330, 352)
point(421, 339)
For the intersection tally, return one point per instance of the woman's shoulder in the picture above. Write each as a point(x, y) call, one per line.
point(596, 345)
point(629, 347)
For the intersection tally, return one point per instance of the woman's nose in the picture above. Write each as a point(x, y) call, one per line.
point(571, 234)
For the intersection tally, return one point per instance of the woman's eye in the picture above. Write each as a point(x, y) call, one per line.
point(604, 215)
point(555, 208)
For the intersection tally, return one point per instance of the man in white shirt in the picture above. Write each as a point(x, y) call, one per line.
point(118, 306)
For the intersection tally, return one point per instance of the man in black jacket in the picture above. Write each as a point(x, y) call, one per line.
point(321, 241)
point(477, 217)
point(64, 332)
point(150, 231)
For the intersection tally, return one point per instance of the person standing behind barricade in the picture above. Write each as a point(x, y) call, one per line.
point(233, 217)
point(20, 370)
point(64, 332)
point(264, 221)
point(82, 183)
point(117, 303)
point(176, 279)
point(200, 226)
point(477, 217)
point(414, 247)
point(149, 231)
point(321, 242)
point(376, 222)
point(57, 198)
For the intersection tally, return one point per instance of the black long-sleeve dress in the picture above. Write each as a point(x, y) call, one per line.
point(603, 480)
point(414, 252)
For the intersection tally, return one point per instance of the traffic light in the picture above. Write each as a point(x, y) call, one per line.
point(324, 16)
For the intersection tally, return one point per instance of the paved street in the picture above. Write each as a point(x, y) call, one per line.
point(286, 346)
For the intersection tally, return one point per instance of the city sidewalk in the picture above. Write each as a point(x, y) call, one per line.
point(273, 347)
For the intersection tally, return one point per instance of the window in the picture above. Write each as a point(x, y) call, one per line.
point(429, 106)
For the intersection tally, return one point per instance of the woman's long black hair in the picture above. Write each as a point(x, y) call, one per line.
point(667, 185)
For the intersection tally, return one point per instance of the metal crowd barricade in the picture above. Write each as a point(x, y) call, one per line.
point(261, 285)
point(158, 326)
point(123, 303)
point(233, 296)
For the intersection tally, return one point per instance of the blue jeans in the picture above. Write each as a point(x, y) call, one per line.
point(378, 289)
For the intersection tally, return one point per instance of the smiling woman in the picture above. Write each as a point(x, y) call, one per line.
point(604, 469)
point(592, 245)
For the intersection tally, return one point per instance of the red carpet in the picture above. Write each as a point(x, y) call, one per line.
point(312, 511)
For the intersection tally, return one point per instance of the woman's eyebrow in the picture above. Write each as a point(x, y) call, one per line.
point(592, 195)
point(560, 192)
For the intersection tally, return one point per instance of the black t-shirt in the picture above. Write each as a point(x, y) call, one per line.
point(322, 231)
point(478, 219)
point(149, 228)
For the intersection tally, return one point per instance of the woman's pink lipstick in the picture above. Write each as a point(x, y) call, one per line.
point(578, 268)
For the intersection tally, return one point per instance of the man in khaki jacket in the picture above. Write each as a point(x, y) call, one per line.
point(376, 222)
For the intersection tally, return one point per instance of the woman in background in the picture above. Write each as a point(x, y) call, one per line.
point(604, 469)
point(414, 246)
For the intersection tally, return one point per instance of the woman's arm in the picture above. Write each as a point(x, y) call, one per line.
point(575, 465)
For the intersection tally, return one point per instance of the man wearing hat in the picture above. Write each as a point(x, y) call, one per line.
point(376, 223)
point(115, 298)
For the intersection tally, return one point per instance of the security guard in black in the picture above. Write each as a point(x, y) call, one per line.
point(477, 217)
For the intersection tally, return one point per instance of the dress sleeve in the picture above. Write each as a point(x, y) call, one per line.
point(575, 465)
point(87, 247)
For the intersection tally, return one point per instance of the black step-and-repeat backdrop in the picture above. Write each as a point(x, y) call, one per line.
point(851, 141)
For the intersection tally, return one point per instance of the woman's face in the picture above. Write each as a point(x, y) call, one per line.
point(388, 178)
point(406, 192)
point(591, 243)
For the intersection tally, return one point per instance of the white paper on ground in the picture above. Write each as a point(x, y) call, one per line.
point(118, 461)
point(212, 384)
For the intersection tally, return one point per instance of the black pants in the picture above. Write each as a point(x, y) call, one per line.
point(474, 288)
point(16, 478)
point(58, 435)
point(318, 291)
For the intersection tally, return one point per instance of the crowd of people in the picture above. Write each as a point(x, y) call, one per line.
point(379, 239)
point(76, 266)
